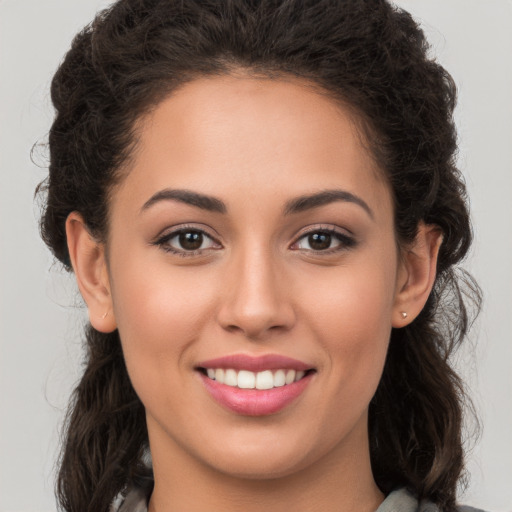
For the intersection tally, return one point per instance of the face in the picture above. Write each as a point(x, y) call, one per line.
point(253, 271)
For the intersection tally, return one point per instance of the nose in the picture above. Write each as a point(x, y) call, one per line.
point(256, 299)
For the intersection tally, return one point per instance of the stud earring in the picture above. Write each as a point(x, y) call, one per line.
point(404, 315)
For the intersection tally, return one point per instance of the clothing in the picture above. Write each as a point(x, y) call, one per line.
point(398, 501)
point(403, 501)
point(136, 501)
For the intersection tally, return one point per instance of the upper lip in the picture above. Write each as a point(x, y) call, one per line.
point(256, 363)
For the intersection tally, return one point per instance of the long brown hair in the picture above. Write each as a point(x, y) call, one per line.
point(368, 54)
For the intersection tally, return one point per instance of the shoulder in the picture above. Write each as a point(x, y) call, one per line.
point(402, 500)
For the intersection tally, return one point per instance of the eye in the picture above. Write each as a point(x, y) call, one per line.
point(187, 242)
point(324, 240)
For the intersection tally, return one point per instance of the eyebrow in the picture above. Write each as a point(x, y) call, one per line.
point(297, 205)
point(209, 203)
point(307, 202)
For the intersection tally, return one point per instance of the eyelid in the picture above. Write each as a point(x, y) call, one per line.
point(170, 232)
point(180, 228)
point(324, 227)
point(345, 236)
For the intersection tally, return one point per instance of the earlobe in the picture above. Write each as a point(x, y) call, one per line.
point(417, 274)
point(90, 267)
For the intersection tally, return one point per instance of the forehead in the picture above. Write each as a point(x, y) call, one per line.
point(256, 135)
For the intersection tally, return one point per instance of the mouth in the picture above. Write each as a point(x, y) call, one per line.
point(246, 379)
point(255, 386)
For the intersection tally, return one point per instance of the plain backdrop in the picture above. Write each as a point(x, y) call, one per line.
point(40, 313)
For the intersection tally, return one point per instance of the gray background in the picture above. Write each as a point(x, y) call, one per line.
point(40, 313)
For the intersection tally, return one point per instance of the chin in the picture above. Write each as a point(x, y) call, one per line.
point(265, 460)
point(259, 467)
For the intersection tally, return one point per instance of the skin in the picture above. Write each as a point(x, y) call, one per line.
point(255, 287)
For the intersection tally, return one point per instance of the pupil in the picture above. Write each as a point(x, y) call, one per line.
point(319, 241)
point(191, 240)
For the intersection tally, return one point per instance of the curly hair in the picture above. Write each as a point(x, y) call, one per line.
point(371, 56)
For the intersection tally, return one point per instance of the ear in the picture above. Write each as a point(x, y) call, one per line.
point(416, 275)
point(90, 267)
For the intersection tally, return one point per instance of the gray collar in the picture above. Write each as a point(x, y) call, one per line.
point(403, 501)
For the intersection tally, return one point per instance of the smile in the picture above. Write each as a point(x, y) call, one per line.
point(245, 379)
point(255, 386)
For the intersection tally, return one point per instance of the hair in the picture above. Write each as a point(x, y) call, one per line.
point(371, 56)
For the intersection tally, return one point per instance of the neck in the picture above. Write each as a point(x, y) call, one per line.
point(341, 481)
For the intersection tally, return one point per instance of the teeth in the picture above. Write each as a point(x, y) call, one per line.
point(230, 378)
point(264, 380)
point(279, 378)
point(219, 374)
point(245, 379)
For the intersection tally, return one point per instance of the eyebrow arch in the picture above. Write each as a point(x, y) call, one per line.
point(212, 204)
point(322, 198)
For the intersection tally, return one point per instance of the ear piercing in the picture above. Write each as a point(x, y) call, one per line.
point(404, 314)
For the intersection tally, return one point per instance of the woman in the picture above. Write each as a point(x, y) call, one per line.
point(261, 206)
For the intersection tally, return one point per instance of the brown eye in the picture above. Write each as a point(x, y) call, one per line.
point(320, 241)
point(187, 242)
point(327, 241)
point(190, 240)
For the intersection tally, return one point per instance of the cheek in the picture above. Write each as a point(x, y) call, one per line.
point(351, 316)
point(353, 300)
point(159, 312)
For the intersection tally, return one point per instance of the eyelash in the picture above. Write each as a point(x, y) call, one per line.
point(163, 242)
point(345, 241)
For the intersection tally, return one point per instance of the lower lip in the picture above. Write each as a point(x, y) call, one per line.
point(255, 402)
